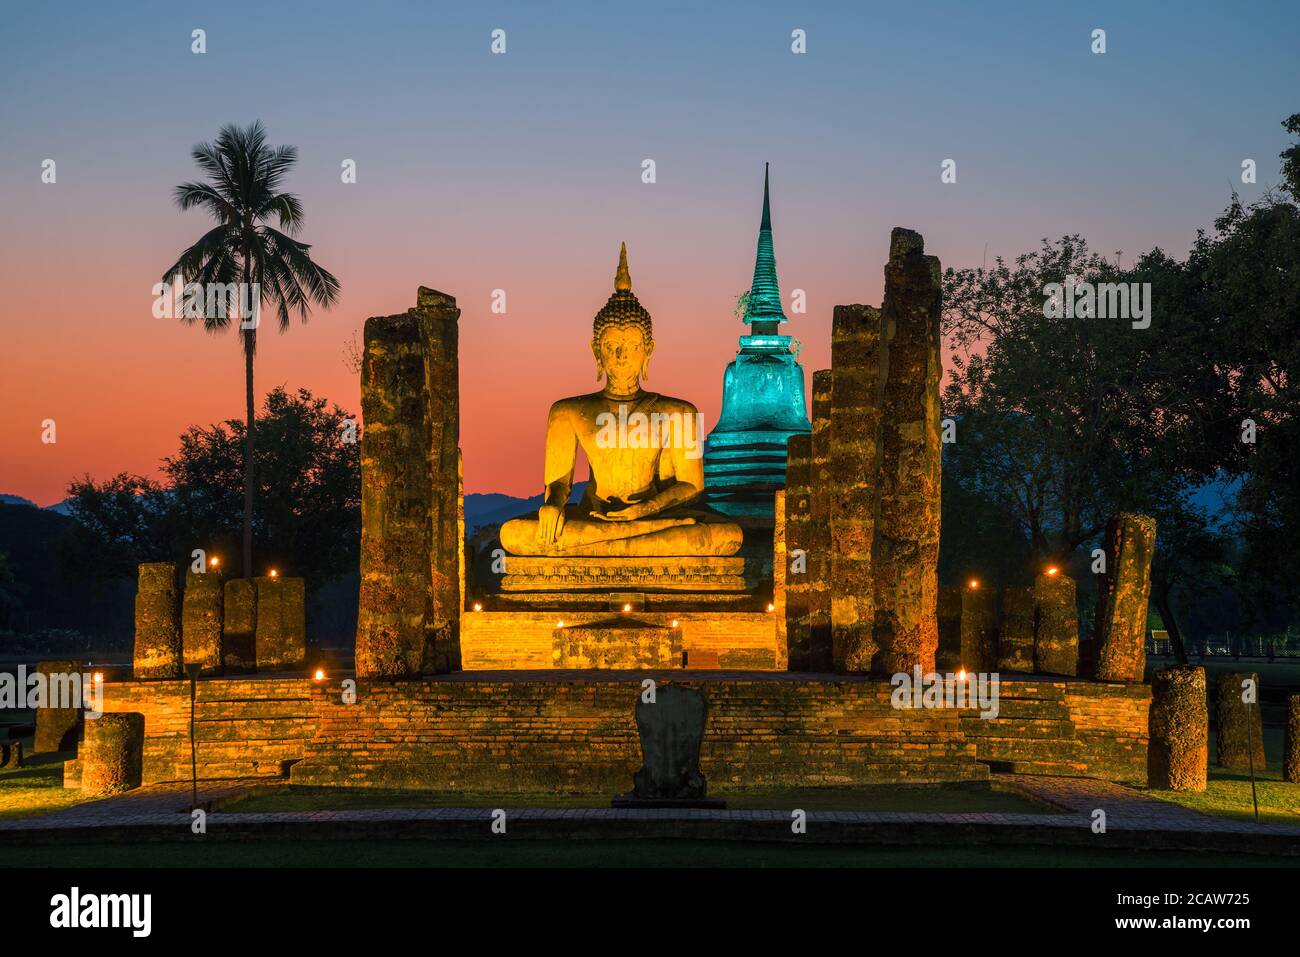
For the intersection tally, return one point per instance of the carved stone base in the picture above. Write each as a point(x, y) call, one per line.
point(619, 643)
point(639, 574)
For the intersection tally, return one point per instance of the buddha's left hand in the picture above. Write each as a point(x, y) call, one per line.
point(629, 514)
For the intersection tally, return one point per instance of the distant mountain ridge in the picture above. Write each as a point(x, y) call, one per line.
point(494, 508)
point(61, 508)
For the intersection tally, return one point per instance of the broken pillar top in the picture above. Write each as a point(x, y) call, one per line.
point(905, 242)
point(431, 300)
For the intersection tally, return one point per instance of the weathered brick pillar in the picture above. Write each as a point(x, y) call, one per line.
point(239, 626)
point(281, 638)
point(1016, 630)
point(821, 659)
point(202, 618)
point(1179, 750)
point(112, 756)
point(1056, 625)
point(967, 629)
point(1122, 596)
point(1291, 741)
point(906, 559)
point(857, 364)
point(780, 568)
point(1239, 730)
point(56, 728)
point(395, 500)
point(440, 317)
point(799, 548)
point(157, 623)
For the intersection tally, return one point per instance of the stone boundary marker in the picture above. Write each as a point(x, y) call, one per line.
point(1239, 731)
point(281, 635)
point(1291, 741)
point(112, 755)
point(202, 615)
point(239, 626)
point(1179, 750)
point(56, 728)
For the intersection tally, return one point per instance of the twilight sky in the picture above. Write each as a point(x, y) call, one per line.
point(522, 172)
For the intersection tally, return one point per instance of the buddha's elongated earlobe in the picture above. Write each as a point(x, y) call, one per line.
point(645, 369)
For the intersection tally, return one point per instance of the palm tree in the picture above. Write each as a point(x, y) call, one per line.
point(243, 194)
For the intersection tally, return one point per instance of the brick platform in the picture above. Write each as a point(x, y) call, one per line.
point(574, 732)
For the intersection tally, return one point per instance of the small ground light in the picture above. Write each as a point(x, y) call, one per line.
point(214, 561)
point(1053, 570)
point(771, 607)
point(320, 674)
point(274, 573)
point(477, 606)
point(627, 607)
point(99, 677)
point(674, 624)
point(974, 583)
point(961, 675)
point(559, 624)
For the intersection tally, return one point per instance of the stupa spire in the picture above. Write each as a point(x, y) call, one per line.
point(763, 305)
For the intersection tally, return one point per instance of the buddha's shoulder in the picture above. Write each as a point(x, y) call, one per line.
point(672, 405)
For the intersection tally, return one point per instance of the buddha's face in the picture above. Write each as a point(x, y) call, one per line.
point(623, 355)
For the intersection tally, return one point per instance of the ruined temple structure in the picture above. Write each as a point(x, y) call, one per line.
point(792, 638)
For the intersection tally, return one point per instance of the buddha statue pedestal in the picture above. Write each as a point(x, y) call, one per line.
point(615, 574)
point(618, 643)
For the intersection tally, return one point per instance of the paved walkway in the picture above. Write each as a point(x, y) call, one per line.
point(161, 811)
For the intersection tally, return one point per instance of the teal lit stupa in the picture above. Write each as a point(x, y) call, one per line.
point(762, 398)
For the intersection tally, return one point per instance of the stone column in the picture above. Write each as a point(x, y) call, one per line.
point(967, 629)
point(1239, 731)
point(112, 756)
point(821, 659)
point(395, 500)
point(1016, 630)
point(281, 639)
point(157, 623)
point(202, 618)
point(1122, 596)
point(906, 559)
point(239, 626)
point(1179, 750)
point(796, 503)
point(56, 728)
point(439, 322)
point(856, 367)
point(1291, 741)
point(1056, 625)
point(780, 566)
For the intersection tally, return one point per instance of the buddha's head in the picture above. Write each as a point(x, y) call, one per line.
point(622, 337)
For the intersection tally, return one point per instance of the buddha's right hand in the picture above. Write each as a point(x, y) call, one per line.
point(550, 524)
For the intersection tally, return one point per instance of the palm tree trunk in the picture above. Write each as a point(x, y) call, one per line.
point(250, 344)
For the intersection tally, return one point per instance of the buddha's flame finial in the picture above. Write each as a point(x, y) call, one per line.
point(623, 278)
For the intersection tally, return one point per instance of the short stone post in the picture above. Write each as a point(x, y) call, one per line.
point(57, 728)
point(239, 626)
point(1123, 592)
point(202, 614)
point(967, 629)
point(1179, 750)
point(157, 623)
point(112, 756)
point(906, 559)
point(1291, 741)
point(11, 754)
point(1239, 730)
point(1016, 630)
point(856, 371)
point(1056, 625)
point(798, 552)
point(281, 639)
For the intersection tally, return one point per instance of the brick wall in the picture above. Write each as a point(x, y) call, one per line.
point(476, 734)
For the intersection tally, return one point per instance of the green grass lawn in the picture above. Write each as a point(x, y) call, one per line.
point(36, 788)
point(502, 852)
point(877, 798)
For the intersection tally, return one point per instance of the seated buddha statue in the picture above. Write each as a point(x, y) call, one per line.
point(645, 451)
